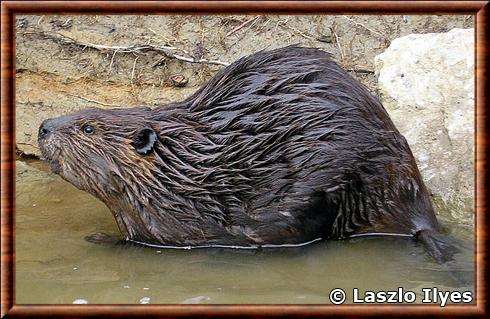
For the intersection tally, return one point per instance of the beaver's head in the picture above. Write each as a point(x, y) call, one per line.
point(90, 148)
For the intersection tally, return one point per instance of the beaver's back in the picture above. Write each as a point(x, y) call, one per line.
point(303, 150)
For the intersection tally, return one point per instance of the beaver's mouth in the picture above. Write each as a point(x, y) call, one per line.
point(55, 166)
point(51, 155)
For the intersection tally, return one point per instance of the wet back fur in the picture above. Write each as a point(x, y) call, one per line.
point(282, 146)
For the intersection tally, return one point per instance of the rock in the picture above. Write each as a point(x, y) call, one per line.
point(426, 83)
point(196, 300)
point(25, 173)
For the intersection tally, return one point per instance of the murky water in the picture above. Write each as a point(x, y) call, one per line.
point(54, 264)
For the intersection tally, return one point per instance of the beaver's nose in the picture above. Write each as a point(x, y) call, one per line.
point(45, 128)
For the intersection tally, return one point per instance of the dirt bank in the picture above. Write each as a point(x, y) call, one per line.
point(65, 63)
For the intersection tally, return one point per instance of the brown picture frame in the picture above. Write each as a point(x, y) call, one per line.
point(479, 9)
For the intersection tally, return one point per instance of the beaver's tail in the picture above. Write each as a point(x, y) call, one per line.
point(438, 246)
point(443, 249)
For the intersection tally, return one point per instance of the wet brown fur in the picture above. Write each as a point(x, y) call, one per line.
point(282, 146)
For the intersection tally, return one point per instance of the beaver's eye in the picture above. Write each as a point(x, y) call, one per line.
point(87, 129)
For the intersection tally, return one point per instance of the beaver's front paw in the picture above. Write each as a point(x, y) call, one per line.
point(102, 238)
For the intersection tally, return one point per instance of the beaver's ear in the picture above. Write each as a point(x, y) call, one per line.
point(144, 140)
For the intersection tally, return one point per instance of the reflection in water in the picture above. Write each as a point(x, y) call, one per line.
point(54, 264)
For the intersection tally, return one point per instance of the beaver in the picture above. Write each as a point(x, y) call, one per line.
point(281, 147)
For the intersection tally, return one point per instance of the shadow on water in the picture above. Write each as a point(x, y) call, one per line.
point(54, 264)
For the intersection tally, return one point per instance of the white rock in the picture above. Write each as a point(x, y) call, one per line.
point(80, 301)
point(426, 83)
point(196, 300)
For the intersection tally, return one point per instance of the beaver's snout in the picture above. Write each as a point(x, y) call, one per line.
point(46, 127)
point(50, 125)
point(48, 147)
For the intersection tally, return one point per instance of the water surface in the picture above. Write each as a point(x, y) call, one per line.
point(55, 264)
